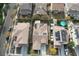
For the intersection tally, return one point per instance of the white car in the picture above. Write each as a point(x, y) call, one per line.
point(66, 52)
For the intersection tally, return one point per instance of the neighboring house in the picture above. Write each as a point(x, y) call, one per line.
point(75, 37)
point(60, 39)
point(74, 11)
point(58, 6)
point(40, 12)
point(40, 8)
point(76, 34)
point(58, 10)
point(25, 9)
point(20, 38)
point(61, 35)
point(40, 37)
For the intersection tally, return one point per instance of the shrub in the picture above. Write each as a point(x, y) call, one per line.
point(71, 44)
point(36, 17)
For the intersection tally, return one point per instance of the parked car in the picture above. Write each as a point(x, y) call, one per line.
point(10, 29)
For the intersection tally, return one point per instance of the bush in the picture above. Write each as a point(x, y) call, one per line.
point(72, 17)
point(24, 20)
point(53, 51)
point(40, 17)
point(44, 17)
point(71, 44)
point(36, 17)
point(51, 21)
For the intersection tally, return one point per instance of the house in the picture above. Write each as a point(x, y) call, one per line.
point(58, 10)
point(48, 6)
point(75, 37)
point(58, 6)
point(76, 34)
point(40, 8)
point(40, 12)
point(61, 38)
point(60, 35)
point(25, 9)
point(20, 36)
point(74, 11)
point(40, 37)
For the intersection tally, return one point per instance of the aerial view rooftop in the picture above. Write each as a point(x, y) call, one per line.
point(39, 29)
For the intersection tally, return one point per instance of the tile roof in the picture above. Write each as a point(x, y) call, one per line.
point(21, 30)
point(58, 6)
point(64, 39)
point(25, 9)
point(75, 7)
point(40, 8)
point(40, 35)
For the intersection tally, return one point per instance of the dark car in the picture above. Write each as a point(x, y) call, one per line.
point(10, 29)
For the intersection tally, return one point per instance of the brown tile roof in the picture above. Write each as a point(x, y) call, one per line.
point(58, 6)
point(40, 35)
point(21, 30)
point(36, 42)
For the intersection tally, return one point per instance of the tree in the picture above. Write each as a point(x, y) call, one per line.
point(53, 51)
point(72, 17)
point(1, 6)
point(71, 44)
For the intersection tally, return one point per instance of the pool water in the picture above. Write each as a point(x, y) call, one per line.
point(63, 23)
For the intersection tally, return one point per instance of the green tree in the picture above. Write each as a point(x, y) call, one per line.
point(71, 44)
point(1, 6)
point(72, 17)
